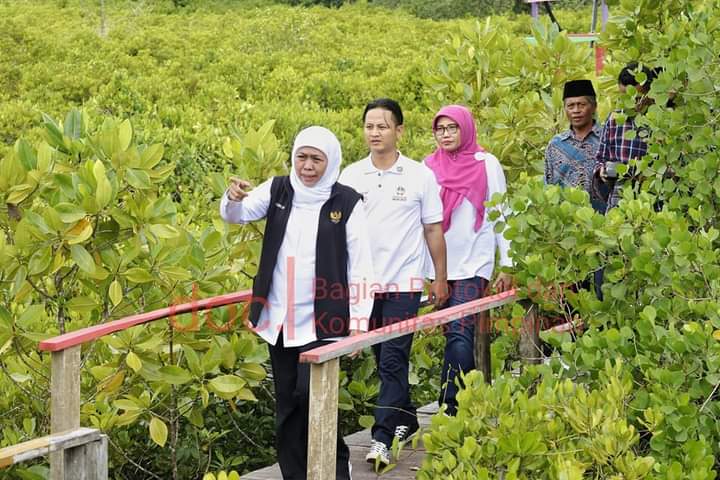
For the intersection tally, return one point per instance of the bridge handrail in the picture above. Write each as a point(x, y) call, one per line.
point(405, 327)
point(84, 335)
point(322, 421)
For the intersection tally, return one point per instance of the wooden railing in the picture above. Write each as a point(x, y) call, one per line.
point(84, 451)
point(65, 371)
point(325, 368)
point(65, 386)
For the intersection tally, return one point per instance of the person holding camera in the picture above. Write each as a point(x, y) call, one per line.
point(617, 145)
point(570, 155)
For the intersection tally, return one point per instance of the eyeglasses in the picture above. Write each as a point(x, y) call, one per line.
point(452, 129)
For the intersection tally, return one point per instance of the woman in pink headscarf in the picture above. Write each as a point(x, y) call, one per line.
point(468, 177)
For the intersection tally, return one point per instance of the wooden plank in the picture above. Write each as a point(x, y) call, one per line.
point(64, 403)
point(322, 421)
point(423, 322)
point(530, 351)
point(39, 447)
point(407, 464)
point(88, 334)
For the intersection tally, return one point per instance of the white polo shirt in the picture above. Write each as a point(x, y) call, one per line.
point(398, 201)
point(470, 253)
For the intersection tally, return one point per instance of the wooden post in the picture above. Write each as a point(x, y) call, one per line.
point(323, 420)
point(530, 351)
point(89, 461)
point(64, 406)
point(483, 360)
point(605, 14)
point(98, 458)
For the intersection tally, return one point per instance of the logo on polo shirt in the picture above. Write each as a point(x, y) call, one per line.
point(400, 194)
point(335, 216)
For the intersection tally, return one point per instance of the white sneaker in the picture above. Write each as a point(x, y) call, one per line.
point(378, 453)
point(403, 432)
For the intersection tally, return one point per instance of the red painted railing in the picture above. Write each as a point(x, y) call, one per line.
point(84, 335)
point(322, 423)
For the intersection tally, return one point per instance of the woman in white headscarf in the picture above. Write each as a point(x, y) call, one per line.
point(302, 300)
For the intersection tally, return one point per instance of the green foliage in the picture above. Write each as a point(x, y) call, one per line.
point(658, 322)
point(517, 103)
point(106, 214)
point(87, 237)
point(186, 83)
point(559, 431)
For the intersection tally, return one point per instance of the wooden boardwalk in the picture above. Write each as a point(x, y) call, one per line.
point(359, 443)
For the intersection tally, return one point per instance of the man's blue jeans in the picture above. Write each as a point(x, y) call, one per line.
point(460, 339)
point(393, 359)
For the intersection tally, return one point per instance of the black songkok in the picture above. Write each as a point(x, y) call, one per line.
point(578, 88)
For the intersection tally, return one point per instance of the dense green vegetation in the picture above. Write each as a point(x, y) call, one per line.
point(150, 107)
point(650, 349)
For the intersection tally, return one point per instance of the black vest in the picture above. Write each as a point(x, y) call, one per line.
point(332, 297)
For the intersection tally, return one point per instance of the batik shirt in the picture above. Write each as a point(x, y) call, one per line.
point(570, 162)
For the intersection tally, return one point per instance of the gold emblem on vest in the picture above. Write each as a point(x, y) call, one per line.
point(335, 216)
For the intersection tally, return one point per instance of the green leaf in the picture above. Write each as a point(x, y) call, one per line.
point(128, 405)
point(138, 275)
point(115, 293)
point(138, 178)
point(164, 231)
point(158, 431)
point(82, 304)
point(73, 124)
point(31, 314)
point(366, 421)
point(103, 192)
point(18, 193)
point(52, 133)
point(252, 371)
point(649, 313)
point(193, 361)
point(151, 156)
point(175, 375)
point(133, 361)
point(70, 213)
point(246, 394)
point(40, 261)
point(25, 154)
point(82, 258)
point(125, 134)
point(226, 383)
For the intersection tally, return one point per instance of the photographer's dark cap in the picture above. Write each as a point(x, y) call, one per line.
point(578, 88)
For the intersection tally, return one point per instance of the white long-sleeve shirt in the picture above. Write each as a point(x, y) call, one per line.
point(470, 253)
point(290, 304)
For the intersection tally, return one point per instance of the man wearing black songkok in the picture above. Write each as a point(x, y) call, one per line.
point(570, 155)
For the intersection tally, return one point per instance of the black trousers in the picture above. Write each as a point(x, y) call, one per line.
point(292, 399)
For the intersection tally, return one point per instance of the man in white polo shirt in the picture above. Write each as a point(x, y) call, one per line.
point(404, 212)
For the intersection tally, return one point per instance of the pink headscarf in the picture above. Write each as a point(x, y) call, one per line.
point(459, 173)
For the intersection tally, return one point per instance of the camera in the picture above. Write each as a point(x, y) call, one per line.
point(611, 170)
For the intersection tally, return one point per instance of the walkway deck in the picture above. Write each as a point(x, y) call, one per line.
point(359, 443)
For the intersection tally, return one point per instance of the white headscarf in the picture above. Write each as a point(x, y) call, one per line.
point(325, 141)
